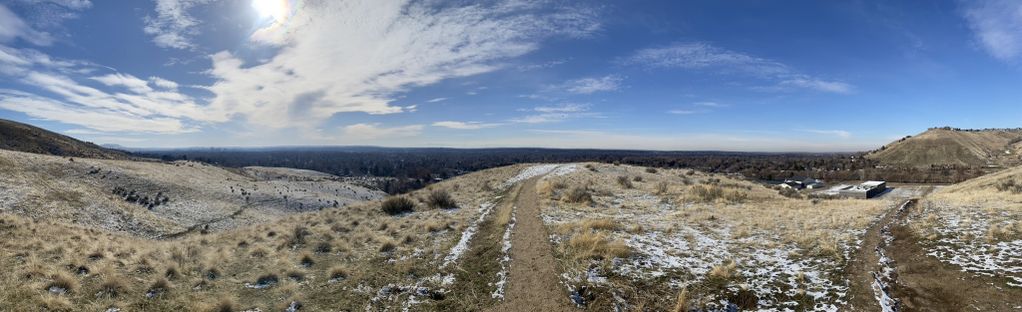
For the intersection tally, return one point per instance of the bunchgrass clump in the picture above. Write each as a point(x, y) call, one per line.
point(440, 199)
point(397, 205)
point(578, 195)
point(624, 182)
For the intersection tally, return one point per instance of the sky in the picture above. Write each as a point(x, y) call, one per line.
point(789, 76)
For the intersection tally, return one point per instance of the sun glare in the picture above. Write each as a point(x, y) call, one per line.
point(271, 8)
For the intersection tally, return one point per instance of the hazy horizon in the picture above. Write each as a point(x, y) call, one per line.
point(745, 76)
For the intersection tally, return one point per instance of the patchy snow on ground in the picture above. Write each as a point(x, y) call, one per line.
point(541, 170)
point(962, 241)
point(886, 276)
point(466, 236)
point(505, 260)
point(680, 254)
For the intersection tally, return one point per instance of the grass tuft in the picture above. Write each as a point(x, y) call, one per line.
point(397, 205)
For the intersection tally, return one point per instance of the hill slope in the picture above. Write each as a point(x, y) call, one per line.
point(159, 199)
point(942, 147)
point(20, 137)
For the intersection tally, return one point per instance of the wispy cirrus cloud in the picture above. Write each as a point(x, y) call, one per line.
point(173, 26)
point(372, 131)
point(838, 133)
point(706, 57)
point(592, 85)
point(683, 111)
point(557, 113)
point(997, 25)
point(102, 120)
point(465, 125)
point(410, 46)
point(13, 27)
point(74, 92)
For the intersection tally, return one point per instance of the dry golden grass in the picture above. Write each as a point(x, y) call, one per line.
point(192, 272)
point(596, 246)
point(671, 201)
point(992, 199)
point(681, 302)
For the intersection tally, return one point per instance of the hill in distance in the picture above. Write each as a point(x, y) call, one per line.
point(954, 147)
point(20, 137)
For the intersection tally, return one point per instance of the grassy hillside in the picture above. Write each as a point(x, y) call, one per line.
point(943, 147)
point(154, 199)
point(25, 138)
point(975, 225)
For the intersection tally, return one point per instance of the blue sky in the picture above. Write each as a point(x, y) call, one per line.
point(664, 75)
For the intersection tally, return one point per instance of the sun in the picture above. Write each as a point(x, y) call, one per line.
point(277, 9)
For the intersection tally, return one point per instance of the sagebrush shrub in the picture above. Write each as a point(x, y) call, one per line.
point(440, 199)
point(578, 195)
point(397, 205)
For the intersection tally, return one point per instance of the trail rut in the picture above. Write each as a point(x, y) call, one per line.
point(533, 282)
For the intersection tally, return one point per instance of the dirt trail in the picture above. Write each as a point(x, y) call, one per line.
point(864, 263)
point(926, 284)
point(917, 281)
point(533, 283)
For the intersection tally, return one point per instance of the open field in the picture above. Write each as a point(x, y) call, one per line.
point(975, 225)
point(558, 236)
point(663, 239)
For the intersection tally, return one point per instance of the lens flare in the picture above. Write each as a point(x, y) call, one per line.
point(277, 9)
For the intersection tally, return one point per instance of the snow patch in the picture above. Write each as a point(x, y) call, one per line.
point(466, 236)
point(541, 170)
point(505, 260)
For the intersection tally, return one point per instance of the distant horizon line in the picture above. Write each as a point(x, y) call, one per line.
point(298, 147)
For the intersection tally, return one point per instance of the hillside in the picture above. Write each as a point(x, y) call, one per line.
point(948, 147)
point(157, 199)
point(549, 236)
point(21, 137)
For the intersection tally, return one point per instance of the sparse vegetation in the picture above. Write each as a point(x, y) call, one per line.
point(397, 205)
point(578, 195)
point(624, 182)
point(1010, 185)
point(440, 199)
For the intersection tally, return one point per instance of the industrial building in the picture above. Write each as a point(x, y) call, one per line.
point(865, 190)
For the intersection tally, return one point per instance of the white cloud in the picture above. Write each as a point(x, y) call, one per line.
point(173, 26)
point(372, 131)
point(163, 83)
point(682, 112)
point(563, 112)
point(70, 4)
point(13, 27)
point(563, 108)
point(593, 85)
point(129, 102)
point(703, 56)
point(357, 56)
point(998, 26)
point(121, 80)
point(462, 125)
point(819, 85)
point(838, 133)
point(102, 120)
point(440, 99)
point(709, 104)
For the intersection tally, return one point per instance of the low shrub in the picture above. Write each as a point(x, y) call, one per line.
point(440, 199)
point(1009, 185)
point(624, 182)
point(661, 188)
point(578, 195)
point(397, 205)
